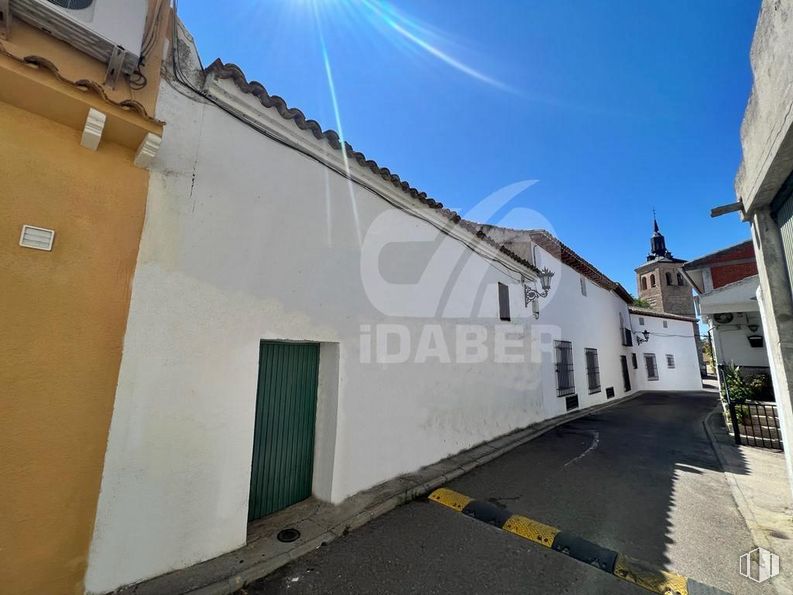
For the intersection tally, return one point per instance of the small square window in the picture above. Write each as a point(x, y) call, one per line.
point(641, 321)
point(670, 360)
point(666, 324)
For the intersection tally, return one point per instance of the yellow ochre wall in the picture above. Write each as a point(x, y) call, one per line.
point(62, 323)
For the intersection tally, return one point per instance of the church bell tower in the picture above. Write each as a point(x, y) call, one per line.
point(660, 281)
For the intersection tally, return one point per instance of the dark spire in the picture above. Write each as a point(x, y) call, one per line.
point(657, 243)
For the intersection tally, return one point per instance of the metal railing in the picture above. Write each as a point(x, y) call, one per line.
point(755, 423)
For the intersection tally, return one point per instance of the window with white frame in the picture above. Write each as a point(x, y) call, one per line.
point(592, 370)
point(652, 368)
point(565, 381)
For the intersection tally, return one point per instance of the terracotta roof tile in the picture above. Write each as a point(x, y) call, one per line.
point(656, 314)
point(518, 240)
point(82, 84)
point(233, 72)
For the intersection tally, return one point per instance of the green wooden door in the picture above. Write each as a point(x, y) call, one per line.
point(283, 442)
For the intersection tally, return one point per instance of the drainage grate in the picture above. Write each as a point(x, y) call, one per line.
point(288, 535)
point(571, 402)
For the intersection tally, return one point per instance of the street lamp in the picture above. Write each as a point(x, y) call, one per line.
point(532, 295)
point(645, 334)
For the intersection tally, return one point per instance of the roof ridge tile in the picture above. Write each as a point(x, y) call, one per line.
point(231, 71)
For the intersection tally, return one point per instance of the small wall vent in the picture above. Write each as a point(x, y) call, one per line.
point(37, 238)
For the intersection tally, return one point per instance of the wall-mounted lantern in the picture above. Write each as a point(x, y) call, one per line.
point(532, 295)
point(642, 337)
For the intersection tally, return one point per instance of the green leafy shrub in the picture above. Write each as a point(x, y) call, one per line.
point(739, 390)
point(753, 388)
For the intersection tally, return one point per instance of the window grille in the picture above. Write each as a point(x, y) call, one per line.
point(652, 368)
point(565, 381)
point(627, 337)
point(592, 370)
point(503, 302)
point(670, 360)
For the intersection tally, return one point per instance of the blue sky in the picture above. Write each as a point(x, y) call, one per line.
point(614, 107)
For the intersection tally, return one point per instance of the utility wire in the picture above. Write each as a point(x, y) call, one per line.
point(182, 78)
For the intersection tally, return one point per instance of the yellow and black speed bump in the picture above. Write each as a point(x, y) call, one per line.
point(487, 513)
point(585, 551)
point(628, 569)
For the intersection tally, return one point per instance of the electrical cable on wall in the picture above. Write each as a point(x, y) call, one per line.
point(182, 79)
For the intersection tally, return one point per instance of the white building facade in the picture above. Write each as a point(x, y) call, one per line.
point(727, 286)
point(764, 194)
point(262, 235)
point(667, 360)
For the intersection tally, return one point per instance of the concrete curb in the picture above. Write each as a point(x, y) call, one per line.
point(405, 489)
point(758, 536)
point(741, 501)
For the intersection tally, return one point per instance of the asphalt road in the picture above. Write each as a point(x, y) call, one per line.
point(640, 478)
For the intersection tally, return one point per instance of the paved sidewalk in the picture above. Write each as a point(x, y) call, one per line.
point(320, 523)
point(640, 479)
point(762, 492)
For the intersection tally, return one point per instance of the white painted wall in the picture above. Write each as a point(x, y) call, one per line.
point(677, 339)
point(244, 240)
point(591, 321)
point(732, 343)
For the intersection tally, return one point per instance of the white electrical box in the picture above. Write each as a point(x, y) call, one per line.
point(95, 27)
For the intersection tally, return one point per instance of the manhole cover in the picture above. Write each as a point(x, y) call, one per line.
point(288, 535)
